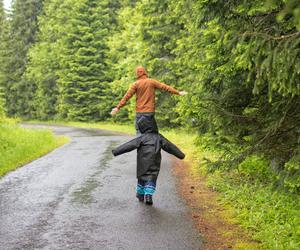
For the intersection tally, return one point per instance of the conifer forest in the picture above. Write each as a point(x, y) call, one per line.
point(239, 61)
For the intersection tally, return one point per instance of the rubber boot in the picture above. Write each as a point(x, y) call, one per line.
point(148, 199)
point(140, 197)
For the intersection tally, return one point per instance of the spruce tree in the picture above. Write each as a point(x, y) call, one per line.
point(2, 23)
point(244, 62)
point(2, 39)
point(83, 79)
point(3, 35)
point(21, 35)
point(2, 16)
point(43, 65)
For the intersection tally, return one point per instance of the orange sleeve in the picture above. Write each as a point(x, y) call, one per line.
point(131, 91)
point(160, 85)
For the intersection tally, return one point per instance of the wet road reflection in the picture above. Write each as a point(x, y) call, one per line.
point(81, 197)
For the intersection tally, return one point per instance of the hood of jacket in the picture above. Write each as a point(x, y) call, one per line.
point(140, 72)
point(147, 124)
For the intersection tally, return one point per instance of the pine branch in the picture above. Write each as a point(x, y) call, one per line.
point(282, 37)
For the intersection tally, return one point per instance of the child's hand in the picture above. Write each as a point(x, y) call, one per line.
point(182, 93)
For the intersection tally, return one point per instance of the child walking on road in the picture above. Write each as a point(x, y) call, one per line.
point(148, 145)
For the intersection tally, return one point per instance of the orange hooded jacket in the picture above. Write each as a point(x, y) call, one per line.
point(144, 88)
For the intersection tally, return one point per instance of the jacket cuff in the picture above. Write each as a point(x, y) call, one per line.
point(174, 91)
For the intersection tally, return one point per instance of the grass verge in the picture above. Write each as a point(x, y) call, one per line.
point(271, 215)
point(20, 145)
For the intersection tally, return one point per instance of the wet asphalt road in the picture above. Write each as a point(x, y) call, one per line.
point(81, 197)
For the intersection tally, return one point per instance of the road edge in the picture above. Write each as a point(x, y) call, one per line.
point(214, 222)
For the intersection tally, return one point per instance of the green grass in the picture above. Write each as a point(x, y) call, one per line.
point(270, 216)
point(19, 146)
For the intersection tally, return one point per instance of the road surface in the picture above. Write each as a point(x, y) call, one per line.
point(81, 197)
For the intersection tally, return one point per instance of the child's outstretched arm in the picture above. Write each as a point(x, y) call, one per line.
point(127, 147)
point(171, 148)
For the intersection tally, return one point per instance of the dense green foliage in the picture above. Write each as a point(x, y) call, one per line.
point(2, 111)
point(69, 65)
point(239, 61)
point(2, 16)
point(247, 77)
point(2, 20)
point(44, 57)
point(82, 77)
point(17, 41)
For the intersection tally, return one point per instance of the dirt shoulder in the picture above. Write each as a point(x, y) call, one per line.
point(214, 222)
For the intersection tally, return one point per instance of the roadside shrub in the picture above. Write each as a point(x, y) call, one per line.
point(291, 175)
point(256, 169)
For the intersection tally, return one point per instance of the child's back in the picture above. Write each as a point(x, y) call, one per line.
point(148, 146)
